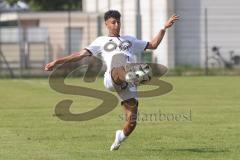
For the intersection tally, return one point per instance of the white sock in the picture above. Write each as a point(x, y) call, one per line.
point(122, 136)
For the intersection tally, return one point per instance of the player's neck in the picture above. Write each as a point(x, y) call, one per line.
point(113, 35)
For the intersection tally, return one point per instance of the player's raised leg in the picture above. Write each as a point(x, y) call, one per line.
point(118, 76)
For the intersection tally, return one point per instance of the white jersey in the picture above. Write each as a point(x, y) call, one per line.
point(109, 47)
point(116, 52)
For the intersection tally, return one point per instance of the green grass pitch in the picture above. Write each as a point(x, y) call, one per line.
point(208, 128)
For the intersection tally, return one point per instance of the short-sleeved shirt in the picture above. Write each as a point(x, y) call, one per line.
point(109, 48)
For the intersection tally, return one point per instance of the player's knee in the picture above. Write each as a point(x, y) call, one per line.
point(130, 102)
point(118, 75)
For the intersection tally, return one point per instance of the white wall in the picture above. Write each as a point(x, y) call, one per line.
point(156, 14)
point(187, 37)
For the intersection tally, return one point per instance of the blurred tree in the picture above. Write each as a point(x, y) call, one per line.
point(51, 5)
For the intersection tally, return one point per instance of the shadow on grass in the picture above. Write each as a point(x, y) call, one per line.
point(200, 150)
point(197, 150)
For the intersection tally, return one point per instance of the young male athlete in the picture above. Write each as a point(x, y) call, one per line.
point(117, 51)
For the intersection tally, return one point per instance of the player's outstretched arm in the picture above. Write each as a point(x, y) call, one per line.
point(153, 44)
point(71, 58)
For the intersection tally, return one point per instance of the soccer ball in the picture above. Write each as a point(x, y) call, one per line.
point(139, 74)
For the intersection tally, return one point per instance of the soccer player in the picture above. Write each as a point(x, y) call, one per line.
point(117, 51)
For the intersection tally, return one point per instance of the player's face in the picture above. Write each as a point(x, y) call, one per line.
point(113, 25)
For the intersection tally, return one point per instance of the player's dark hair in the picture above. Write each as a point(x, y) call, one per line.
point(112, 14)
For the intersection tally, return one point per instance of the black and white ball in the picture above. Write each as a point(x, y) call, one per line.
point(141, 75)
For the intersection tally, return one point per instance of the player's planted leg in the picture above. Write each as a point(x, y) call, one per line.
point(130, 110)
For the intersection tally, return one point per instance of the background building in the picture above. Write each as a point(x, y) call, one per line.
point(185, 43)
point(31, 39)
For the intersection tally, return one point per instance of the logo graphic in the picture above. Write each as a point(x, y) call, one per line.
point(125, 45)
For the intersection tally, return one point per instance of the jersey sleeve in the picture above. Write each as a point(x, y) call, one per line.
point(139, 46)
point(95, 47)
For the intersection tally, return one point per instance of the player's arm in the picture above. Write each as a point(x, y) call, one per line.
point(71, 58)
point(153, 44)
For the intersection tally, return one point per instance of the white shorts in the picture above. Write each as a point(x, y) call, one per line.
point(124, 94)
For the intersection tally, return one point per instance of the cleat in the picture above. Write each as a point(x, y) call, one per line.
point(116, 144)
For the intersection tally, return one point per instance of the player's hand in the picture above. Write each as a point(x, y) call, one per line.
point(50, 66)
point(171, 21)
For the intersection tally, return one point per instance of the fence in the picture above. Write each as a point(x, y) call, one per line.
point(30, 40)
